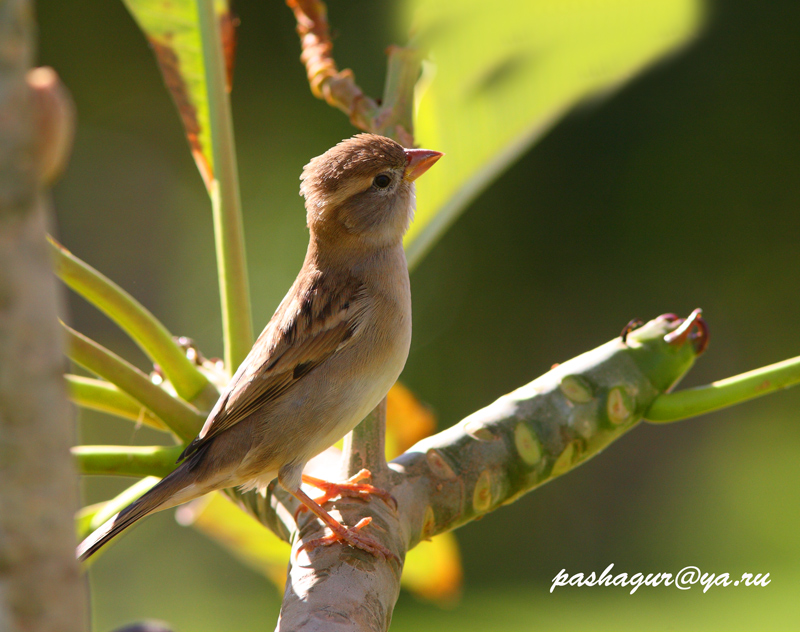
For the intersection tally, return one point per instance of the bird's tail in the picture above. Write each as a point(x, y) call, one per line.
point(164, 495)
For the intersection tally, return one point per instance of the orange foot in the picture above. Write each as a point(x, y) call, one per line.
point(351, 536)
point(340, 533)
point(350, 488)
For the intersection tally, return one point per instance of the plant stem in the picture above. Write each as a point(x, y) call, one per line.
point(733, 390)
point(337, 88)
point(113, 460)
point(182, 418)
point(137, 321)
point(395, 118)
point(365, 446)
point(105, 397)
point(225, 198)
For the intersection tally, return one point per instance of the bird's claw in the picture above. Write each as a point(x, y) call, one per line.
point(351, 488)
point(353, 537)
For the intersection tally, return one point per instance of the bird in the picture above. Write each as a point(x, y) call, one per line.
point(334, 347)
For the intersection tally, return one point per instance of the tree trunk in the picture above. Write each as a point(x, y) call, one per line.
point(40, 584)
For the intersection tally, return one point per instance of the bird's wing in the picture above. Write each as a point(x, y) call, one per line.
point(311, 324)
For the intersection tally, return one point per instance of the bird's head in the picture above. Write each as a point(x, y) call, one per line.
point(364, 188)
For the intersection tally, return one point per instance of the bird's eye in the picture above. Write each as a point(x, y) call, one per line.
point(382, 181)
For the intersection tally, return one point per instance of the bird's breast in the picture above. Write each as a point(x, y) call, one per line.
point(336, 395)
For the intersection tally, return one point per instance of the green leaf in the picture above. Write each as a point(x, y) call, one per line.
point(173, 29)
point(194, 43)
point(502, 74)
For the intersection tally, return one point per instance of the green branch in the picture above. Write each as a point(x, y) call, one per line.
point(225, 199)
point(525, 439)
point(182, 418)
point(113, 460)
point(733, 390)
point(138, 322)
point(100, 395)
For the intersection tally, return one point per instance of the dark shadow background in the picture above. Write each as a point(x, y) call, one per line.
point(681, 190)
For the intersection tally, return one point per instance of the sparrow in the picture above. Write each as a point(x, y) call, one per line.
point(334, 347)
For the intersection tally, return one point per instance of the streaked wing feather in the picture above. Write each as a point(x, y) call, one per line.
point(305, 331)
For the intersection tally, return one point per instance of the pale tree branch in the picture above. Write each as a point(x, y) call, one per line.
point(41, 588)
point(524, 439)
point(312, 603)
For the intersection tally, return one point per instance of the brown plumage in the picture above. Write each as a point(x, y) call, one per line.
point(336, 344)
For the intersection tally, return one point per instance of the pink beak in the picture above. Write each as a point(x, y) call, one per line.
point(418, 161)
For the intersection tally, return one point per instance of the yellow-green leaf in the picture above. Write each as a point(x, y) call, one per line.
point(433, 571)
point(172, 27)
point(407, 420)
point(501, 74)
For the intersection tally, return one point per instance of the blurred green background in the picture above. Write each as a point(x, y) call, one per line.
point(680, 190)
